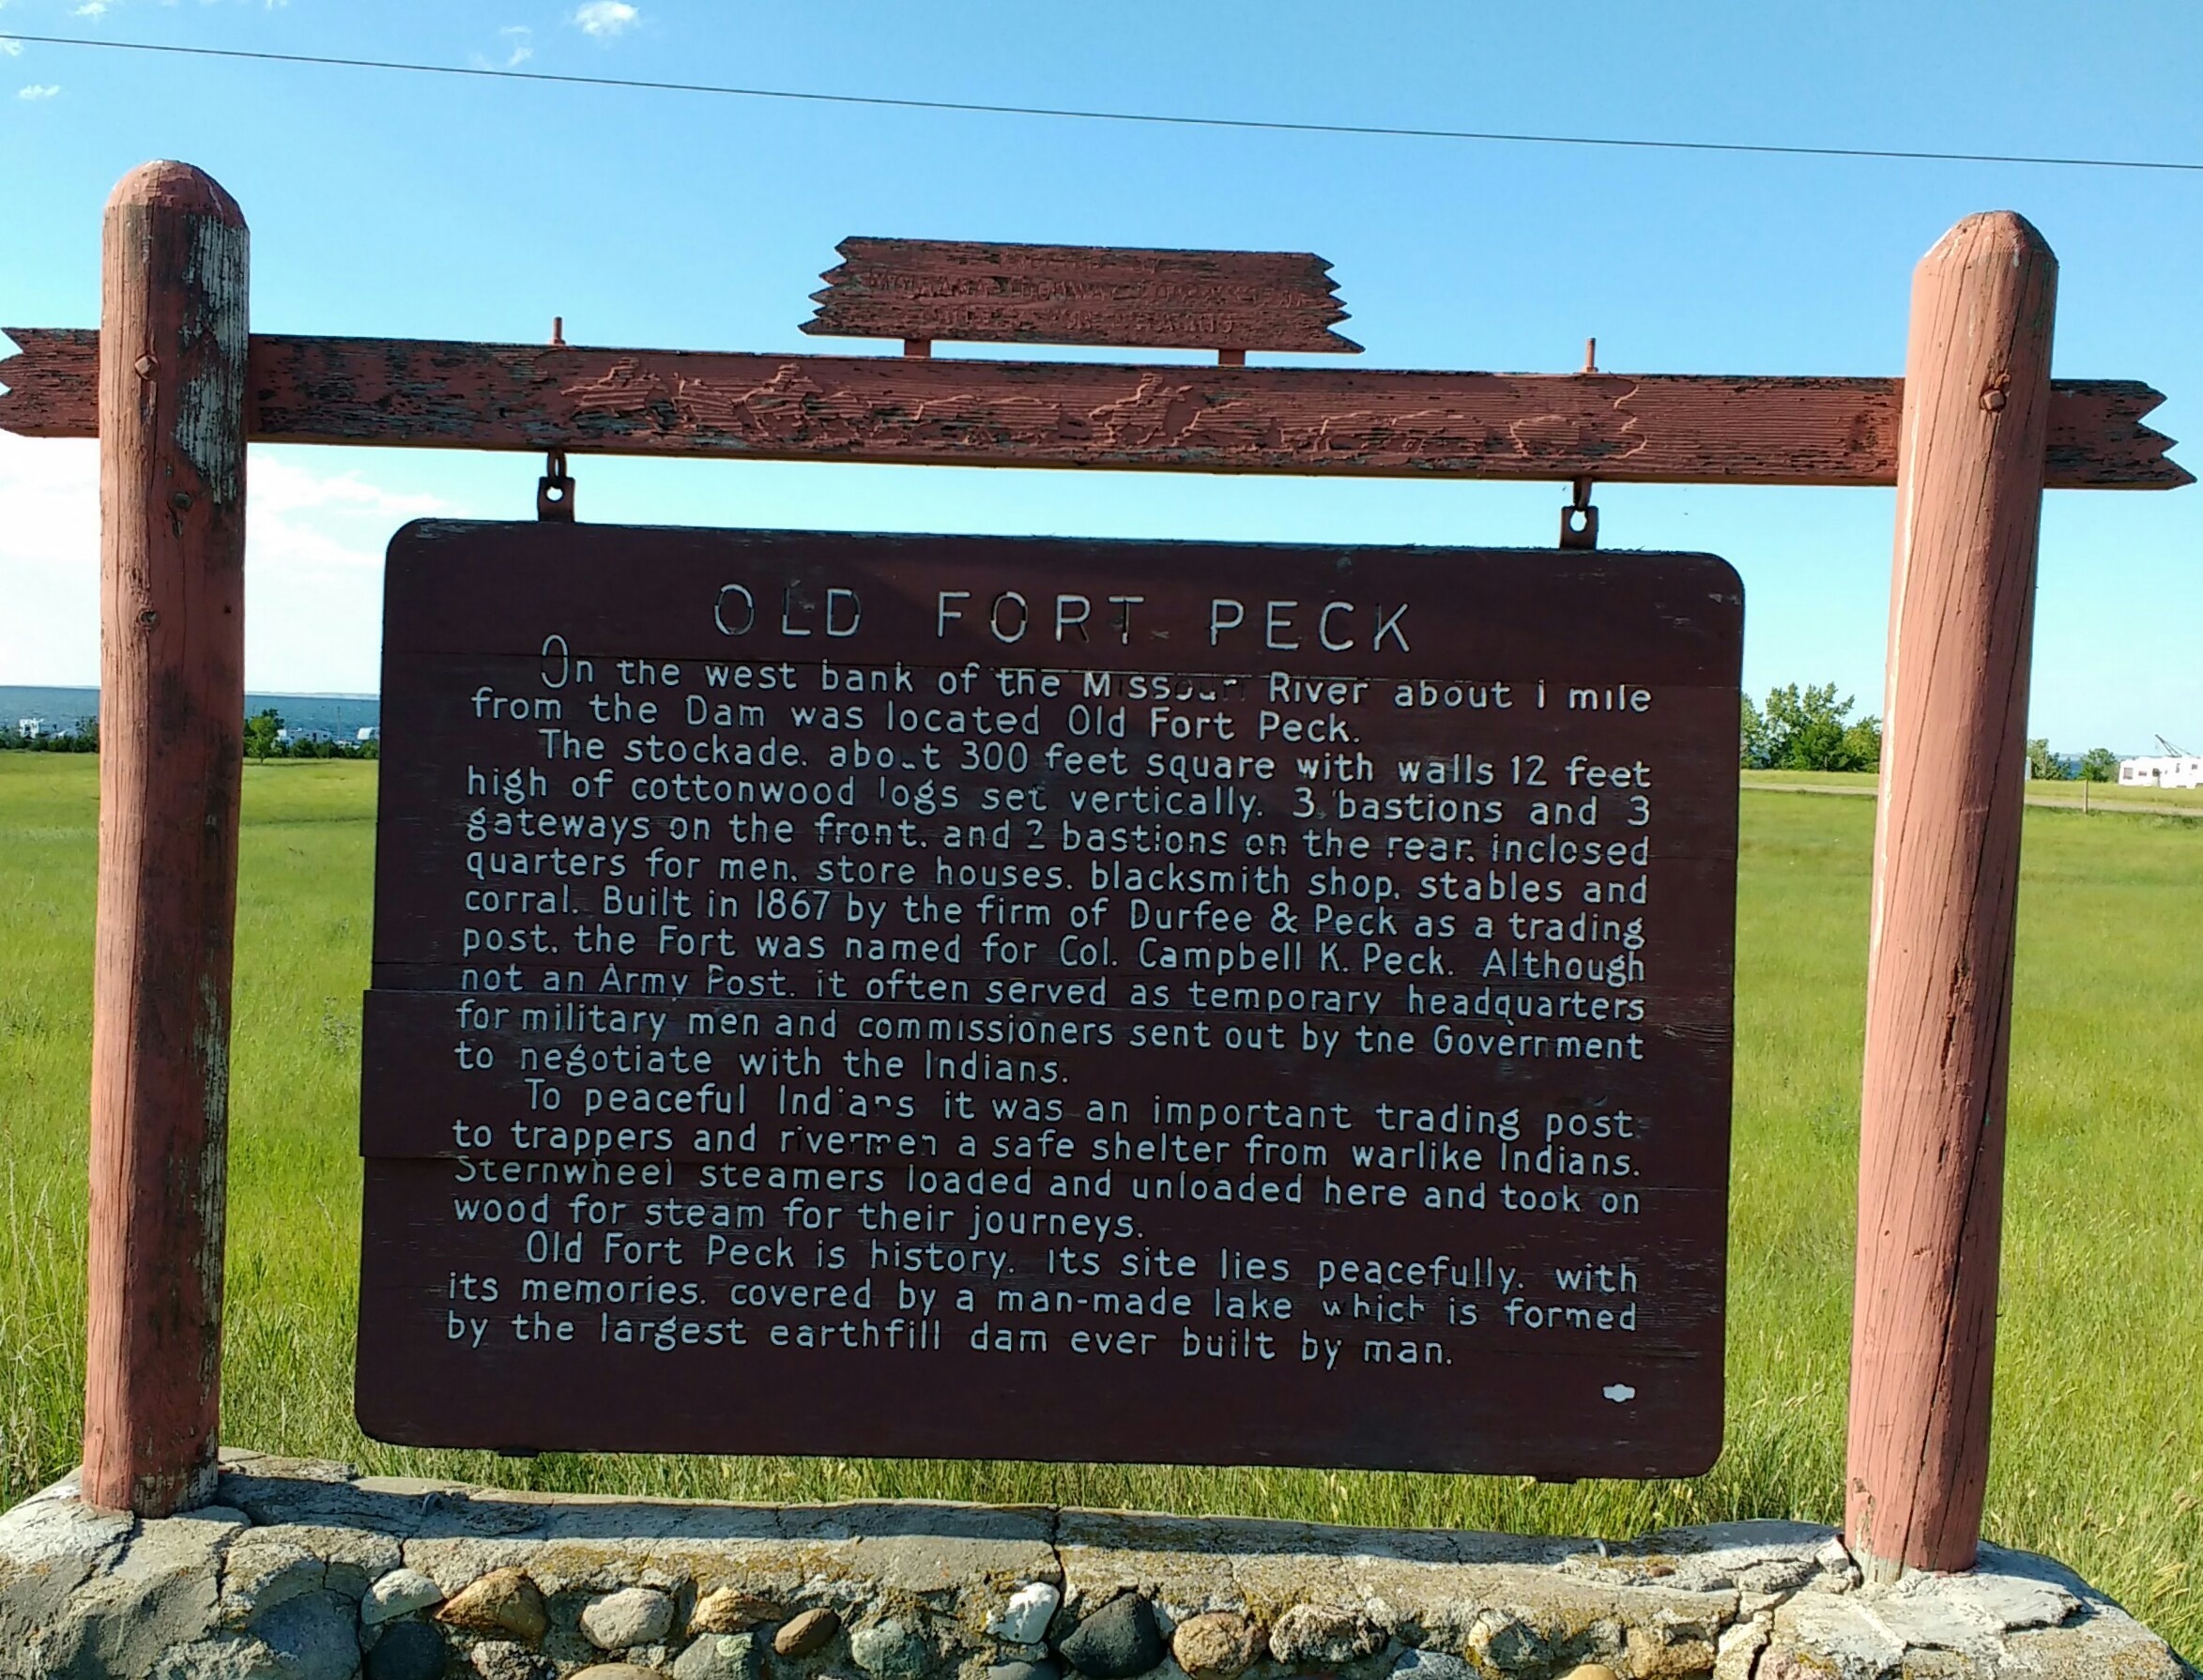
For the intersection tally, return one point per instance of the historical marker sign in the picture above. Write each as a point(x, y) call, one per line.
point(1053, 999)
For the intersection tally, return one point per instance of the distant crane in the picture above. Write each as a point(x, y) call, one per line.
point(2171, 751)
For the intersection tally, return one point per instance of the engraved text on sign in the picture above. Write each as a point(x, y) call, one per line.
point(1060, 999)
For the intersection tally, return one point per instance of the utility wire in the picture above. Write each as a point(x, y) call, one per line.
point(1256, 124)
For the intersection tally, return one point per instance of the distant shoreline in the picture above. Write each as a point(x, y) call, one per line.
point(92, 688)
point(62, 705)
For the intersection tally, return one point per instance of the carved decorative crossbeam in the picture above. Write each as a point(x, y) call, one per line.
point(1351, 421)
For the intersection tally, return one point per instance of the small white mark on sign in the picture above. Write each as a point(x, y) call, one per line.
point(1619, 1392)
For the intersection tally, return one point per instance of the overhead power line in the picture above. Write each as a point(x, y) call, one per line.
point(1260, 125)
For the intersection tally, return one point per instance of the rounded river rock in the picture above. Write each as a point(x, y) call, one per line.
point(1024, 1621)
point(729, 1610)
point(1118, 1640)
point(1324, 1636)
point(632, 1616)
point(1432, 1665)
point(721, 1656)
point(502, 1602)
point(400, 1593)
point(806, 1634)
point(1219, 1646)
point(891, 1650)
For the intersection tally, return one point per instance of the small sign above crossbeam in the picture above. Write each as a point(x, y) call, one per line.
point(925, 290)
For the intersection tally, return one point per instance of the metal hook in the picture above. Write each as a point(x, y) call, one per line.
point(554, 491)
point(1579, 520)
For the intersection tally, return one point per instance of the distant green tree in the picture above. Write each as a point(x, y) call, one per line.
point(1863, 743)
point(2098, 764)
point(1751, 745)
point(1808, 729)
point(261, 730)
point(2043, 765)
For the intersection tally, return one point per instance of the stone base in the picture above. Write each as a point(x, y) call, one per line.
point(304, 1571)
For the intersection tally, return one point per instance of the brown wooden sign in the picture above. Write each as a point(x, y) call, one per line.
point(927, 289)
point(1050, 1000)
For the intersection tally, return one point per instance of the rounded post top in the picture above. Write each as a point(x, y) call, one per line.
point(1991, 236)
point(165, 184)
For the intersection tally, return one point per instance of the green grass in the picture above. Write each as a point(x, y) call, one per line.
point(2107, 795)
point(2099, 1437)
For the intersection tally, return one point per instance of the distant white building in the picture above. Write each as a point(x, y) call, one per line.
point(30, 729)
point(368, 732)
point(2163, 770)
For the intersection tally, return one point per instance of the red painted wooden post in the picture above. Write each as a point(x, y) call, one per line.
point(171, 704)
point(1969, 494)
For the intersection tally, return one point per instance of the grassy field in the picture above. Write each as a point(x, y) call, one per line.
point(2100, 1436)
point(2108, 796)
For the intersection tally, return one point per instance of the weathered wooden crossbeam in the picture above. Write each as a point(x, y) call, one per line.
point(1352, 421)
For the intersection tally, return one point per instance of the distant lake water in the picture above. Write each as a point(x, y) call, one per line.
point(342, 715)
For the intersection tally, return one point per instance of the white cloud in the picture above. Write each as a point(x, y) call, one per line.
point(39, 90)
point(519, 41)
point(282, 488)
point(314, 556)
point(603, 17)
point(314, 544)
point(91, 9)
point(10, 49)
point(49, 560)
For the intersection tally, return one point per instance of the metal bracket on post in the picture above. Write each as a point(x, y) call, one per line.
point(554, 491)
point(1579, 520)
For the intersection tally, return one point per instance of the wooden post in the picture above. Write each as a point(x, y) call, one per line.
point(1931, 1173)
point(172, 702)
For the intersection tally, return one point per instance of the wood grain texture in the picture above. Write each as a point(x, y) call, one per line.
point(1081, 295)
point(1641, 428)
point(172, 704)
point(1946, 888)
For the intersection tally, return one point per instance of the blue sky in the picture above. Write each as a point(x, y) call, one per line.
point(421, 207)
